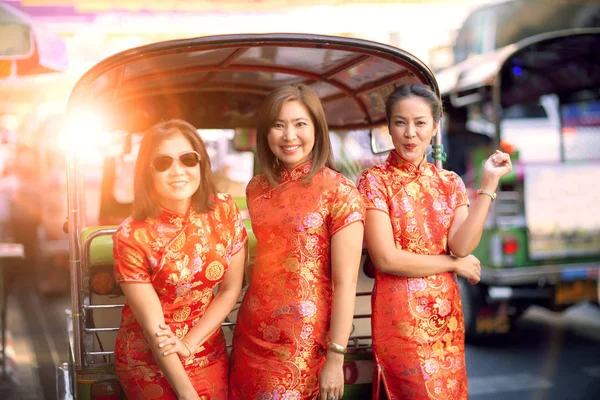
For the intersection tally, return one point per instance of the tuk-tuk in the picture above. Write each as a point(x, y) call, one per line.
point(216, 83)
point(538, 99)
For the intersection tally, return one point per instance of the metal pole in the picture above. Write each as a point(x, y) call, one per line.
point(74, 192)
point(4, 299)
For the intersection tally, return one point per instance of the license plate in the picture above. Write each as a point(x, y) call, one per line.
point(574, 292)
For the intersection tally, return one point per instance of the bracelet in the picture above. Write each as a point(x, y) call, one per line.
point(336, 348)
point(488, 193)
point(187, 346)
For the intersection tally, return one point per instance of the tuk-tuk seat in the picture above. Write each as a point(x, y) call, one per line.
point(101, 246)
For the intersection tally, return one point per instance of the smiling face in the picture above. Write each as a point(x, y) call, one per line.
point(292, 135)
point(412, 126)
point(175, 186)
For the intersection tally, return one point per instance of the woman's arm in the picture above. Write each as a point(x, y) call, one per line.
point(146, 308)
point(228, 293)
point(346, 250)
point(467, 226)
point(387, 258)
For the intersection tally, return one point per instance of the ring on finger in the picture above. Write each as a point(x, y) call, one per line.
point(331, 397)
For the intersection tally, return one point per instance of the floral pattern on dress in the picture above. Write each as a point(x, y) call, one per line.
point(417, 323)
point(184, 257)
point(282, 328)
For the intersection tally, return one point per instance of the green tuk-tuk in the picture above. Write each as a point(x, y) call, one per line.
point(538, 99)
point(216, 83)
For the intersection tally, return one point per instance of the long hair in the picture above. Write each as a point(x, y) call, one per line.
point(321, 154)
point(145, 202)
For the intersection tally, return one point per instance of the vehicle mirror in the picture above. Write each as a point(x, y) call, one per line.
point(381, 140)
point(244, 139)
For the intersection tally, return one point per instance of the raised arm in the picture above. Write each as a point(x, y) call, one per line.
point(467, 226)
point(146, 308)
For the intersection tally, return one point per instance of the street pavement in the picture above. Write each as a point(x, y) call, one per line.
point(550, 356)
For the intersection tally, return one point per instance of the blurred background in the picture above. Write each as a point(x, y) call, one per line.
point(46, 46)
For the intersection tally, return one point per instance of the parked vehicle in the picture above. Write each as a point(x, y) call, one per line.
point(214, 83)
point(540, 100)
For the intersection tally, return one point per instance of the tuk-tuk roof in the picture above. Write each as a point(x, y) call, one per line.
point(560, 62)
point(219, 81)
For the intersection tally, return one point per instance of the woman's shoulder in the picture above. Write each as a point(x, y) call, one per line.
point(446, 175)
point(377, 169)
point(336, 176)
point(258, 180)
point(258, 183)
point(223, 198)
point(130, 225)
point(376, 172)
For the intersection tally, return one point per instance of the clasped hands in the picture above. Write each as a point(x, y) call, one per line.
point(172, 344)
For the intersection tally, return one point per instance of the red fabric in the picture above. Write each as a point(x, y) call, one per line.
point(184, 257)
point(417, 323)
point(283, 323)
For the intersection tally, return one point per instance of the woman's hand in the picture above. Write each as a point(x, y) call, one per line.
point(172, 344)
point(468, 267)
point(496, 166)
point(331, 378)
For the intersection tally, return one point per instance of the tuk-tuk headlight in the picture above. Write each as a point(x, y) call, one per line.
point(102, 281)
point(107, 390)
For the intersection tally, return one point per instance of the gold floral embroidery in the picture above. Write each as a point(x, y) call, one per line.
point(172, 253)
point(132, 257)
point(178, 243)
point(285, 315)
point(291, 264)
point(422, 346)
point(214, 271)
point(153, 392)
point(181, 314)
point(141, 236)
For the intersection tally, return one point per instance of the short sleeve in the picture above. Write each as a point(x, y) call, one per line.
point(458, 192)
point(237, 228)
point(130, 262)
point(348, 207)
point(373, 191)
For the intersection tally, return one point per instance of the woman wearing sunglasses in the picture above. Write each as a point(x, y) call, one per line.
point(182, 241)
point(296, 317)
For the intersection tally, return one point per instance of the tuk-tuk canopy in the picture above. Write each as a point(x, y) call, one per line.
point(219, 81)
point(562, 62)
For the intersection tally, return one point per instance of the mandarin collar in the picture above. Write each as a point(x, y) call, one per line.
point(173, 217)
point(399, 162)
point(296, 173)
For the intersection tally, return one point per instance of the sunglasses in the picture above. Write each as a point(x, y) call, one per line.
point(163, 163)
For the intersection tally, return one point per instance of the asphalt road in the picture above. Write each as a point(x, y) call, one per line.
point(549, 356)
point(554, 356)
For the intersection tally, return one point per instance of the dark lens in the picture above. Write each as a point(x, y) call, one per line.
point(189, 159)
point(162, 163)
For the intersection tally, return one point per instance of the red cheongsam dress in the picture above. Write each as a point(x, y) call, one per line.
point(282, 328)
point(184, 257)
point(417, 323)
